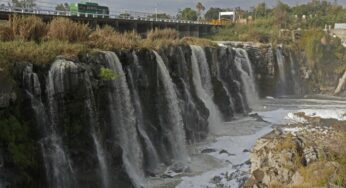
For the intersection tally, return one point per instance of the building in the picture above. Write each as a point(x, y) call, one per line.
point(340, 31)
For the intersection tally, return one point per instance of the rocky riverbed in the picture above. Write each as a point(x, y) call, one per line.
point(308, 153)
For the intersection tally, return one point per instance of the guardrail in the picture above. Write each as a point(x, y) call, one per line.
point(21, 10)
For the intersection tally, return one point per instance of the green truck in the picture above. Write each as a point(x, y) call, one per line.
point(88, 9)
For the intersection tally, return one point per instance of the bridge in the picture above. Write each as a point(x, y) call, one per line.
point(120, 22)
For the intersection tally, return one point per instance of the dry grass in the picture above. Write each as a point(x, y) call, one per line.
point(6, 33)
point(107, 39)
point(67, 30)
point(43, 53)
point(26, 28)
point(157, 39)
point(198, 41)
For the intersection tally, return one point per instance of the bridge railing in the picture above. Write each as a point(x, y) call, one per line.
point(38, 11)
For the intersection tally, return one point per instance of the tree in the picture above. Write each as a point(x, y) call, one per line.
point(200, 8)
point(62, 7)
point(213, 13)
point(187, 14)
point(24, 3)
point(281, 14)
point(260, 10)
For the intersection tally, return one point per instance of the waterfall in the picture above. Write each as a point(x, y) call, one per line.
point(100, 153)
point(176, 132)
point(198, 60)
point(59, 170)
point(294, 76)
point(280, 60)
point(123, 121)
point(247, 77)
point(154, 161)
point(102, 160)
point(242, 101)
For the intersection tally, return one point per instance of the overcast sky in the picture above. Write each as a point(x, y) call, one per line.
point(172, 6)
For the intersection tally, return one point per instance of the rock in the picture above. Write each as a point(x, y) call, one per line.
point(258, 175)
point(297, 179)
point(251, 182)
point(216, 179)
point(226, 152)
point(208, 150)
point(166, 176)
point(310, 155)
point(246, 151)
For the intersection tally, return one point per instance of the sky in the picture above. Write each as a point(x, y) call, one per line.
point(172, 6)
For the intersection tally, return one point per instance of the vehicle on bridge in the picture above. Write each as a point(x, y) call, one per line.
point(88, 9)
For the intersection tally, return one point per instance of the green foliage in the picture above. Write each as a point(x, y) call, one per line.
point(107, 74)
point(261, 30)
point(18, 145)
point(187, 14)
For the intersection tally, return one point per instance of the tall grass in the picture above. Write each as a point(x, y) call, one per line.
point(25, 28)
point(67, 30)
point(107, 39)
point(157, 38)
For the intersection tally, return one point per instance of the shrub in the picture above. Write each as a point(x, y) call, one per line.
point(66, 30)
point(27, 27)
point(108, 74)
point(107, 39)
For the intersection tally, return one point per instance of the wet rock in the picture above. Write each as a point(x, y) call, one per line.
point(246, 151)
point(216, 179)
point(226, 152)
point(208, 150)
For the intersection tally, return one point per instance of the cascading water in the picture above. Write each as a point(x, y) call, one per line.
point(154, 161)
point(100, 153)
point(59, 170)
point(232, 106)
point(280, 60)
point(175, 129)
point(247, 78)
point(123, 121)
point(198, 57)
point(102, 160)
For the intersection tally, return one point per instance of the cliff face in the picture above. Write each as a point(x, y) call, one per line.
point(112, 118)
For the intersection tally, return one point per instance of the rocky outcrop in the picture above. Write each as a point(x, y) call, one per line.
point(300, 155)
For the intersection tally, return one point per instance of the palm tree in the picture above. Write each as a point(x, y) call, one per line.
point(200, 8)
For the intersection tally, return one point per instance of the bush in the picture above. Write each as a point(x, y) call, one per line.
point(67, 30)
point(27, 28)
